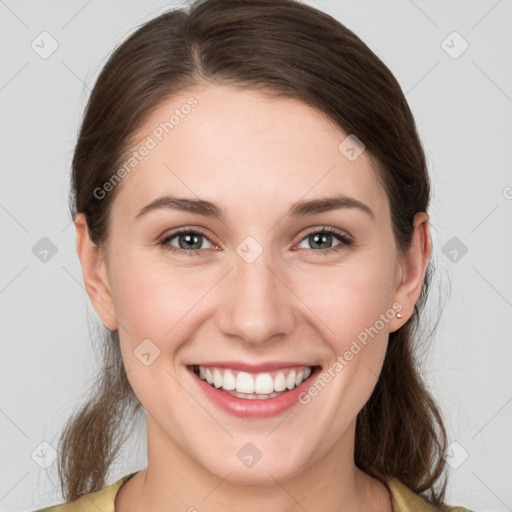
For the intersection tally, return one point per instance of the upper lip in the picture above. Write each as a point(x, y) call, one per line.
point(253, 368)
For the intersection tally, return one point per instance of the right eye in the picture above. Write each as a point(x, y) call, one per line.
point(188, 240)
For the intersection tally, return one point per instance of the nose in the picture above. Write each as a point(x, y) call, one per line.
point(257, 306)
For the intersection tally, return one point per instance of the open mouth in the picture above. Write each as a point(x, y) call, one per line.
point(254, 386)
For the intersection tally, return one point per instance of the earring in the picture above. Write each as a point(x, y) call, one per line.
point(399, 315)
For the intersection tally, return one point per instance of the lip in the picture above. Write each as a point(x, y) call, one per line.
point(253, 368)
point(246, 408)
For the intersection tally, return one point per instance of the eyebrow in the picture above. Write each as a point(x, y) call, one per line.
point(298, 209)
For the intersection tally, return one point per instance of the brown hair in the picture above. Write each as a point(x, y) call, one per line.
point(284, 48)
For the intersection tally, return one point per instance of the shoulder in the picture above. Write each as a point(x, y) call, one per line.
point(92, 502)
point(405, 500)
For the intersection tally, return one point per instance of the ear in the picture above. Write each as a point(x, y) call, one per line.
point(94, 273)
point(413, 265)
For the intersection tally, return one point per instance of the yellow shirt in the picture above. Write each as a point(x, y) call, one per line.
point(404, 500)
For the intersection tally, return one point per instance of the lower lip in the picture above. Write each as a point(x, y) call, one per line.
point(256, 408)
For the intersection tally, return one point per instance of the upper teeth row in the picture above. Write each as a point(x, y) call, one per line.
point(261, 383)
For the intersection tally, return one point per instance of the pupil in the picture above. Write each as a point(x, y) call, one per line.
point(189, 240)
point(324, 236)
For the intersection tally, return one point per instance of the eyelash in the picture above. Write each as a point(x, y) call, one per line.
point(345, 241)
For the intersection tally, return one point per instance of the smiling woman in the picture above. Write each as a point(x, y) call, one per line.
point(260, 271)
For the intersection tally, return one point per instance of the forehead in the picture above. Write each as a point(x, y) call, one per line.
point(241, 146)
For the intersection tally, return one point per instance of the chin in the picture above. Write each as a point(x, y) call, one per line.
point(264, 471)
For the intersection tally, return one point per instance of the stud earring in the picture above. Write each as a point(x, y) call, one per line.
point(399, 315)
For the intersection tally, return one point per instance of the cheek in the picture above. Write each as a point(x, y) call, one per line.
point(152, 299)
point(353, 309)
point(348, 299)
point(352, 306)
point(150, 296)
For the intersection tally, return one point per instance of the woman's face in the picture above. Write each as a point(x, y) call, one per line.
point(254, 290)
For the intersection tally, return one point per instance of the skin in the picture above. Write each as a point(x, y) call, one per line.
point(254, 156)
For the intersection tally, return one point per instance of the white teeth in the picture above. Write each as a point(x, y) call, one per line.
point(260, 386)
point(244, 383)
point(263, 384)
point(217, 378)
point(280, 382)
point(229, 383)
point(290, 380)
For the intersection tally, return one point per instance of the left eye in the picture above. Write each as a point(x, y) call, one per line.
point(325, 236)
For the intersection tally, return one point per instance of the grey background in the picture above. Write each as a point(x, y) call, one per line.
point(463, 110)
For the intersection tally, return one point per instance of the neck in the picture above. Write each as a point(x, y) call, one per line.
point(174, 481)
